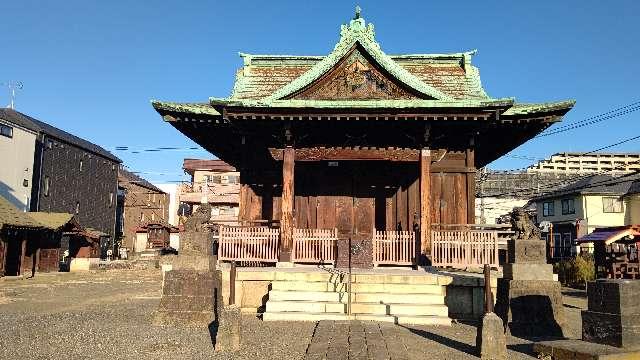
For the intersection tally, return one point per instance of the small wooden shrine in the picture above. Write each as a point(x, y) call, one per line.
point(359, 157)
point(616, 251)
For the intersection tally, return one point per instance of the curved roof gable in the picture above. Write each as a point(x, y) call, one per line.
point(352, 35)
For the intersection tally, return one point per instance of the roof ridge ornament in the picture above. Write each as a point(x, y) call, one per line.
point(357, 31)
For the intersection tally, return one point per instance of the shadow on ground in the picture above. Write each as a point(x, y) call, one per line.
point(452, 343)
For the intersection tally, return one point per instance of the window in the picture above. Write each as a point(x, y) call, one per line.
point(80, 165)
point(45, 186)
point(49, 144)
point(547, 208)
point(6, 130)
point(110, 199)
point(77, 207)
point(611, 205)
point(568, 206)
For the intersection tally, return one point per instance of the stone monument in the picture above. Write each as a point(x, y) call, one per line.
point(610, 326)
point(613, 315)
point(529, 301)
point(191, 289)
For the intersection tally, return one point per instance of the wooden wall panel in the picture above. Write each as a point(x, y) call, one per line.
point(436, 198)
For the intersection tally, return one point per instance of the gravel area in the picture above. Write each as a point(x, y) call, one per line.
point(107, 315)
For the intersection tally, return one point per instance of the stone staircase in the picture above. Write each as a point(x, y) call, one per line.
point(416, 299)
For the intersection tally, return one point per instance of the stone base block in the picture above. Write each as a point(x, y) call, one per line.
point(527, 251)
point(528, 271)
point(188, 298)
point(183, 318)
point(614, 296)
point(530, 308)
point(576, 349)
point(611, 329)
point(228, 329)
point(491, 341)
point(200, 263)
point(200, 243)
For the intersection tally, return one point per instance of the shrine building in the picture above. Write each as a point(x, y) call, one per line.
point(359, 158)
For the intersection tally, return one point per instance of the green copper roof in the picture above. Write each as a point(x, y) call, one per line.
point(363, 104)
point(526, 109)
point(357, 32)
point(189, 108)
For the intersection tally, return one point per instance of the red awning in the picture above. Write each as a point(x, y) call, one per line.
point(609, 235)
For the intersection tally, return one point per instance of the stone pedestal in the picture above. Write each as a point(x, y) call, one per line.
point(529, 301)
point(613, 315)
point(530, 308)
point(228, 328)
point(491, 341)
point(189, 289)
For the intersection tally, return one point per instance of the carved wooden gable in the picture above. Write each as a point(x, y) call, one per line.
point(355, 77)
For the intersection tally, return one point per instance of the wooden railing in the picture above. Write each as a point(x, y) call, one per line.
point(248, 243)
point(464, 248)
point(394, 247)
point(314, 245)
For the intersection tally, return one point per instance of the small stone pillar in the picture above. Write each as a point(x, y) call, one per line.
point(529, 301)
point(228, 329)
point(491, 341)
point(613, 315)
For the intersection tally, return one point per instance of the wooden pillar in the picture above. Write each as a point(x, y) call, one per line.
point(425, 202)
point(286, 218)
point(471, 184)
point(23, 255)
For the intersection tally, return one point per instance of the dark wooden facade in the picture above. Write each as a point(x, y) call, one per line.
point(359, 140)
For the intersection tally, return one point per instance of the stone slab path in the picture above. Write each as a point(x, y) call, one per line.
point(355, 340)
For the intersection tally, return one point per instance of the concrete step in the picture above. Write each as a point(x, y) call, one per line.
point(306, 306)
point(400, 309)
point(380, 298)
point(398, 288)
point(308, 286)
point(391, 298)
point(419, 278)
point(326, 296)
point(306, 316)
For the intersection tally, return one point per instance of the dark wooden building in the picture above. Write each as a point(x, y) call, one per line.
point(31, 242)
point(142, 202)
point(70, 174)
point(369, 144)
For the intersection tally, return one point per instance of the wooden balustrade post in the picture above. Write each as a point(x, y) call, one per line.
point(286, 219)
point(425, 203)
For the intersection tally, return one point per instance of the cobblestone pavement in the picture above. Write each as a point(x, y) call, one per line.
point(107, 315)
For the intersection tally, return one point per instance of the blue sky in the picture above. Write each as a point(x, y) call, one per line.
point(91, 67)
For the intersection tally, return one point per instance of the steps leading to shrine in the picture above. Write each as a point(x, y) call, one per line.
point(399, 298)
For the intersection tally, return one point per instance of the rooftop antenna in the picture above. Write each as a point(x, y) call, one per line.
point(13, 86)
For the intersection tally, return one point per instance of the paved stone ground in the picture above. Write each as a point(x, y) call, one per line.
point(107, 315)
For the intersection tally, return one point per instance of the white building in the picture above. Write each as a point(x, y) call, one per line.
point(17, 151)
point(569, 162)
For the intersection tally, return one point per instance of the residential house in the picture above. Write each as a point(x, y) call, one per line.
point(215, 182)
point(64, 173)
point(577, 209)
point(142, 202)
point(632, 204)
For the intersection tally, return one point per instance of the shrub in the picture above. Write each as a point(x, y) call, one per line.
point(577, 271)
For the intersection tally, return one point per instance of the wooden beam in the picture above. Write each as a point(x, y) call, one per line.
point(286, 218)
point(471, 185)
point(425, 202)
point(350, 153)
